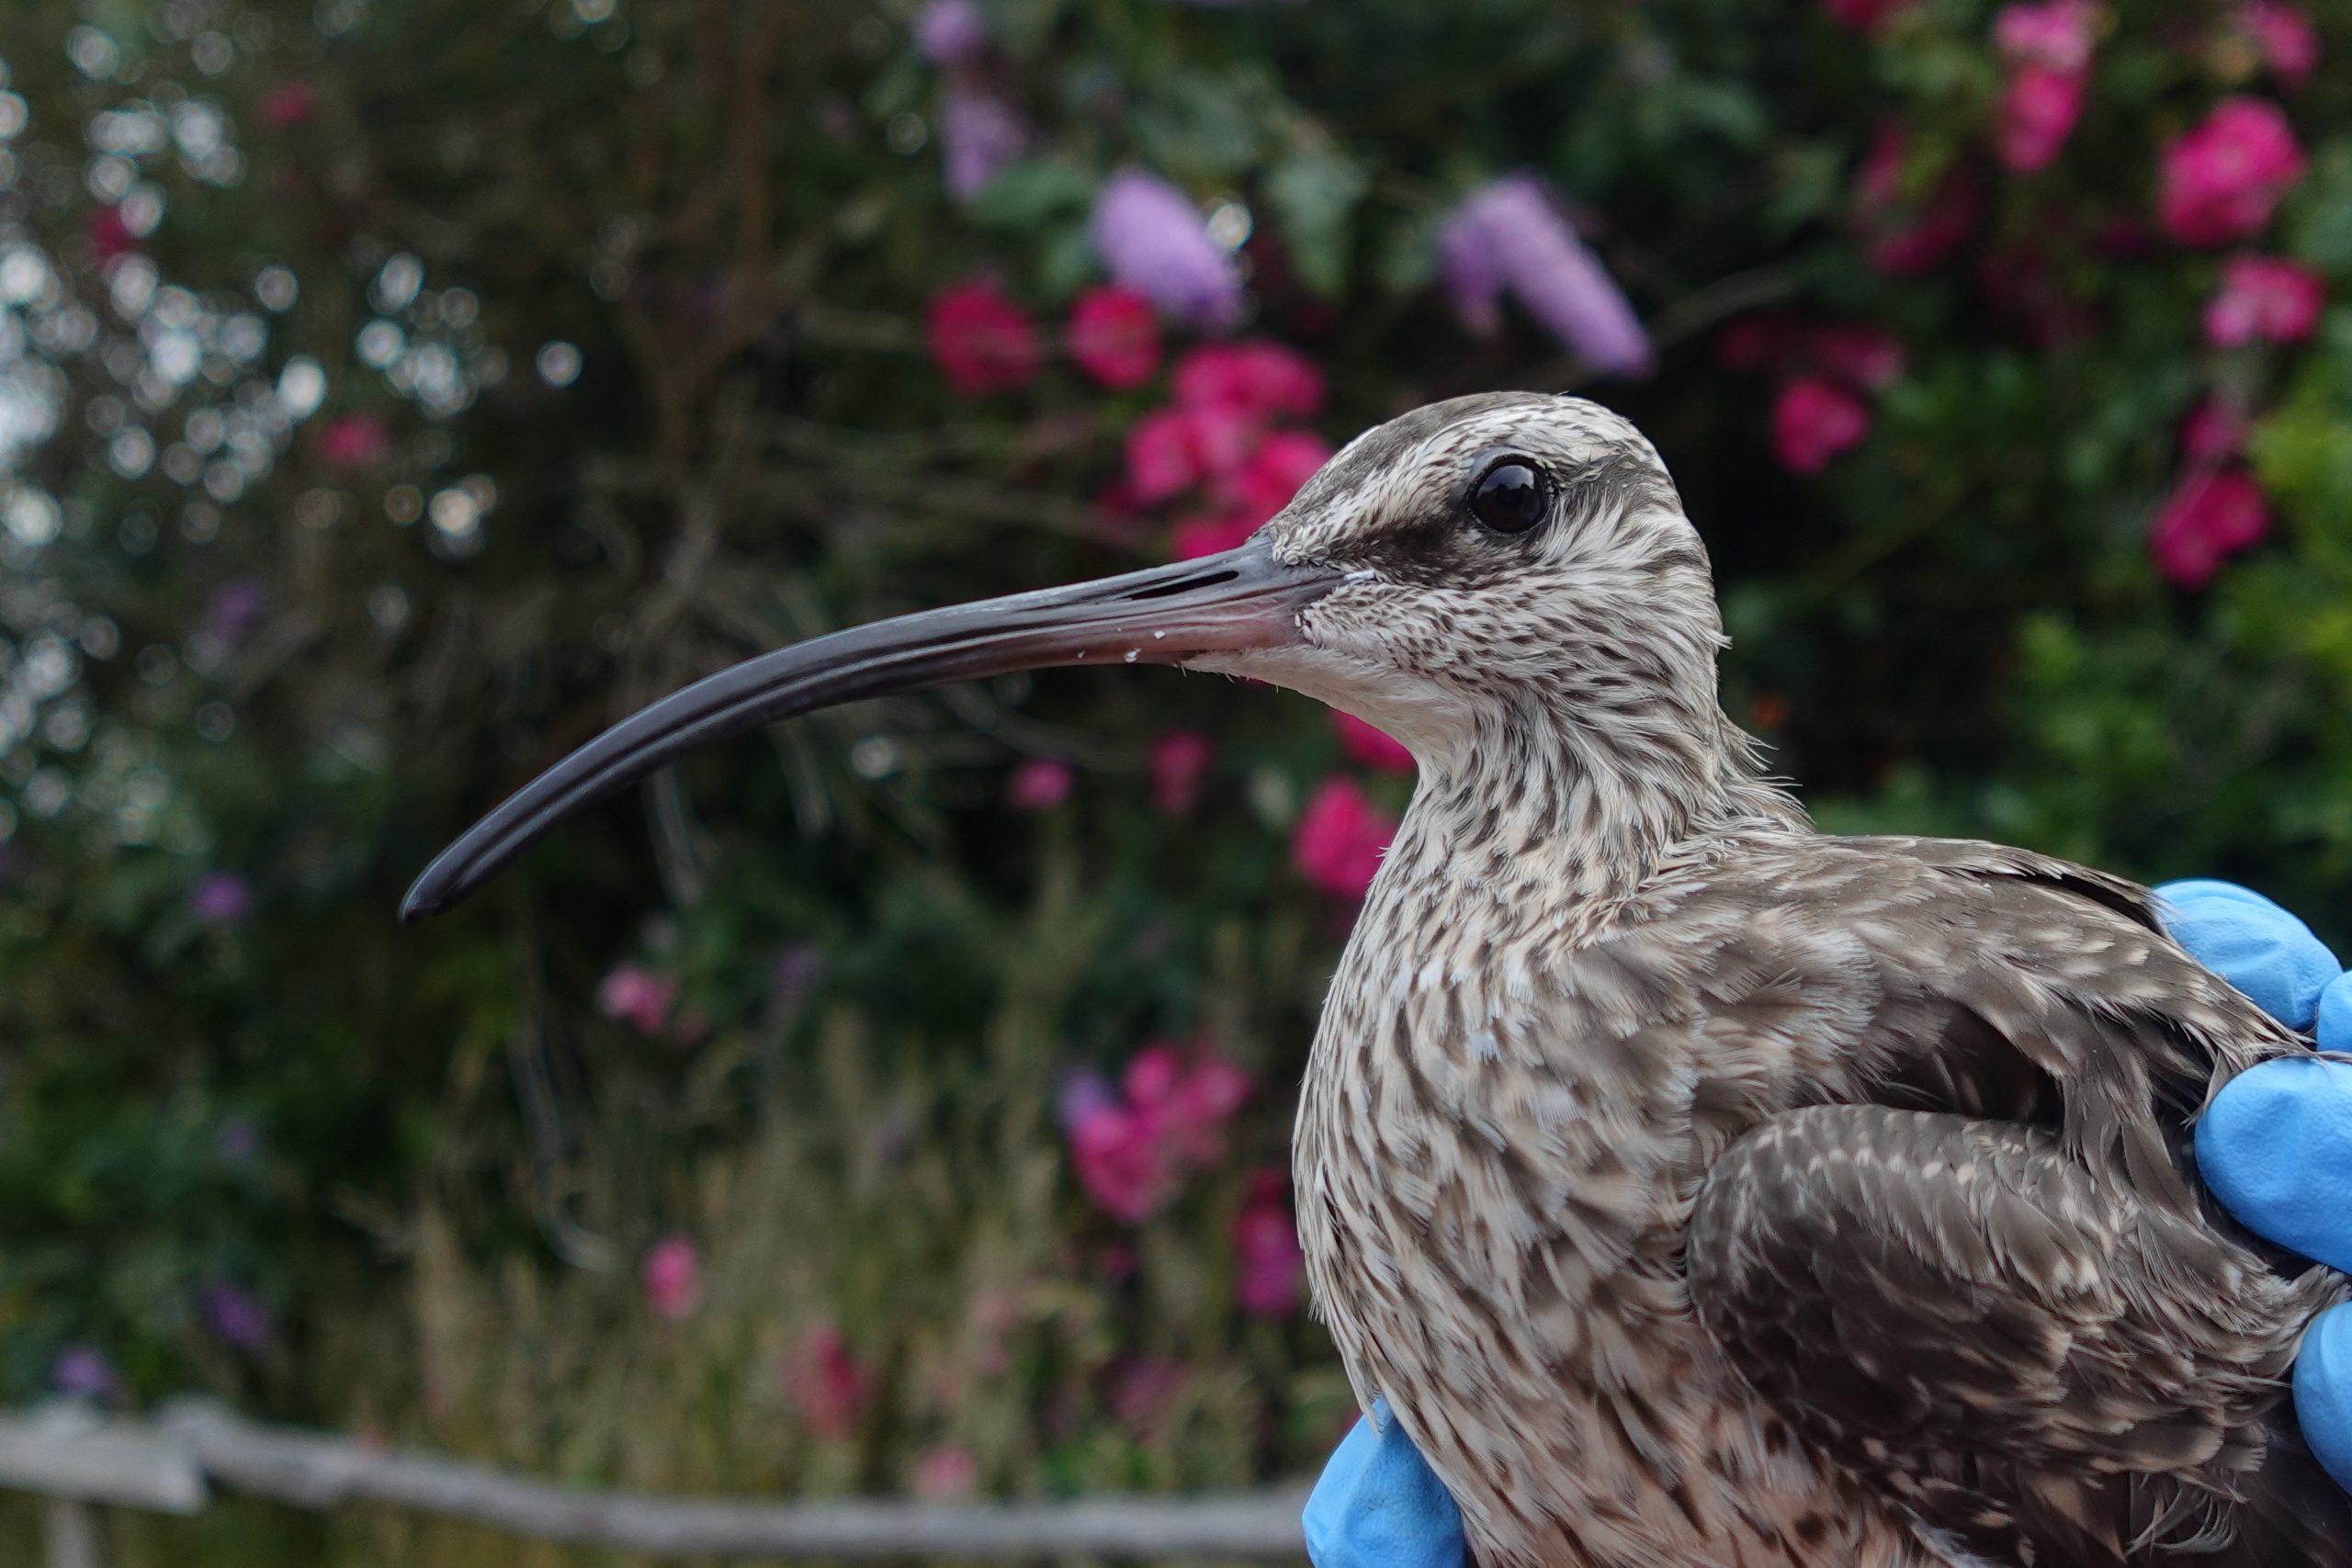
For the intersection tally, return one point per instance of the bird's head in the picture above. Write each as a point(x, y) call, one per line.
point(1505, 582)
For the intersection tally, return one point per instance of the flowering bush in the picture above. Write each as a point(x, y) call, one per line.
point(390, 396)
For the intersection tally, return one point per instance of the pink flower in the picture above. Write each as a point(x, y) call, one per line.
point(981, 341)
point(950, 32)
point(1507, 234)
point(1283, 461)
point(1186, 1098)
point(1180, 760)
point(979, 133)
point(1193, 537)
point(354, 440)
point(946, 1473)
point(2268, 298)
point(287, 104)
point(1907, 232)
point(1339, 838)
point(2210, 515)
point(2220, 180)
point(1375, 747)
point(1171, 450)
point(1257, 377)
point(2037, 113)
point(2055, 35)
point(638, 997)
point(825, 1383)
point(110, 235)
point(1121, 1162)
point(1269, 1273)
point(1813, 421)
point(1152, 238)
point(1860, 354)
point(1115, 337)
point(2212, 431)
point(1862, 16)
point(673, 1275)
point(1040, 784)
point(2284, 36)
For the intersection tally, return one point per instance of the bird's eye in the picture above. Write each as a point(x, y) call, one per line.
point(1513, 496)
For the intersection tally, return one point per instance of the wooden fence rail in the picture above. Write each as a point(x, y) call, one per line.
point(169, 1462)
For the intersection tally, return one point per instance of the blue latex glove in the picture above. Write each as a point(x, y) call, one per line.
point(2275, 1146)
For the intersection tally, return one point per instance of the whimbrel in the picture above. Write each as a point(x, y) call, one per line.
point(1697, 1188)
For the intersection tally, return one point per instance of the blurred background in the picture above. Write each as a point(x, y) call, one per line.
point(393, 392)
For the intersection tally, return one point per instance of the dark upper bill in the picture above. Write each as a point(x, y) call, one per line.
point(1242, 599)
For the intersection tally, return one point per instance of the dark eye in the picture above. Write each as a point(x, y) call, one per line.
point(1511, 497)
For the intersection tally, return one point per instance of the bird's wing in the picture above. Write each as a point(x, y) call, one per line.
point(2038, 1364)
point(1989, 1279)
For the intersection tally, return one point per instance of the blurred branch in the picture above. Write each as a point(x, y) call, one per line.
point(163, 1463)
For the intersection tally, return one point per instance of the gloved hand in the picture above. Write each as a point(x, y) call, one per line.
point(2275, 1146)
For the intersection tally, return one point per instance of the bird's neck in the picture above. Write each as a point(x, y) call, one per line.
point(1535, 799)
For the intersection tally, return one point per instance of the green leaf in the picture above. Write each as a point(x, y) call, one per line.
point(1033, 191)
point(1313, 191)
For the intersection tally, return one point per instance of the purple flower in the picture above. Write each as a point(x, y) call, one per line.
point(237, 1140)
point(233, 608)
point(979, 135)
point(1151, 237)
point(793, 969)
point(83, 1371)
point(951, 31)
point(236, 1319)
point(1082, 1094)
point(1508, 234)
point(222, 899)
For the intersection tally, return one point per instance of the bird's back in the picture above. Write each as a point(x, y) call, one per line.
point(1512, 1116)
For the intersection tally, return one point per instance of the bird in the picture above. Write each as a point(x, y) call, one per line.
point(1696, 1187)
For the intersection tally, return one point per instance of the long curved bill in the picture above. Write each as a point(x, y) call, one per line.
point(1242, 599)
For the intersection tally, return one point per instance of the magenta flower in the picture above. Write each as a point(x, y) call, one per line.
point(1863, 355)
point(1375, 747)
point(979, 134)
point(950, 32)
point(1507, 234)
point(110, 233)
point(1115, 337)
point(354, 440)
point(1180, 760)
point(826, 1384)
point(637, 996)
point(1141, 1390)
point(2211, 432)
point(290, 103)
point(1270, 1272)
point(2037, 112)
point(222, 899)
point(981, 342)
point(1040, 784)
point(1273, 473)
point(2209, 516)
point(1813, 421)
point(236, 1319)
point(1151, 237)
point(1184, 1098)
point(1339, 838)
point(1171, 450)
point(948, 1474)
point(2220, 180)
point(1193, 537)
point(1862, 16)
point(1257, 378)
point(2266, 297)
point(672, 1274)
point(1121, 1160)
point(2284, 37)
point(2055, 35)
